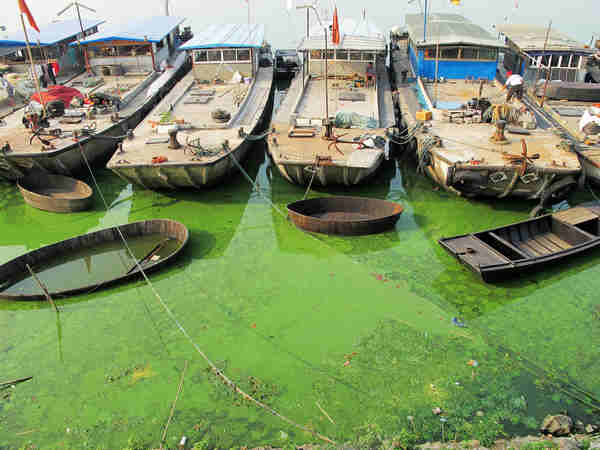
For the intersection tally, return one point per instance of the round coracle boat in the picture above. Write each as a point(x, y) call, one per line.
point(344, 215)
point(55, 193)
point(88, 262)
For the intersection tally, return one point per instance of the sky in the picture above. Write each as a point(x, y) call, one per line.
point(577, 18)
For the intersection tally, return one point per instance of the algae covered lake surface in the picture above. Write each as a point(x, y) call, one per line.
point(353, 338)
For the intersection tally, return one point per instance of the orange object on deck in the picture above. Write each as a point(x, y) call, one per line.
point(159, 159)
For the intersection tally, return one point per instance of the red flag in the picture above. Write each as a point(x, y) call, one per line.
point(25, 10)
point(335, 31)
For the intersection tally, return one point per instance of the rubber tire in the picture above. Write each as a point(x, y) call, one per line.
point(55, 108)
point(581, 181)
point(537, 211)
point(558, 191)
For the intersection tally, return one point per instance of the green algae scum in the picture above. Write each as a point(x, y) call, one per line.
point(350, 337)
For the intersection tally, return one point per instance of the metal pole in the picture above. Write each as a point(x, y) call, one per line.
point(166, 7)
point(307, 24)
point(80, 23)
point(425, 22)
point(326, 88)
point(537, 73)
point(35, 78)
point(248, 11)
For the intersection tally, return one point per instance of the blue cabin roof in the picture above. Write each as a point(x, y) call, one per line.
point(228, 35)
point(151, 29)
point(50, 34)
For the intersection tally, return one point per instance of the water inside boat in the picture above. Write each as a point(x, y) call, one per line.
point(90, 266)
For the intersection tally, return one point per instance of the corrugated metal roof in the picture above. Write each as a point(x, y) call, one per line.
point(49, 34)
point(361, 35)
point(151, 29)
point(448, 29)
point(532, 37)
point(228, 35)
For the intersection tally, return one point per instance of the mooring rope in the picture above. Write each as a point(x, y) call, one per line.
point(212, 365)
point(256, 187)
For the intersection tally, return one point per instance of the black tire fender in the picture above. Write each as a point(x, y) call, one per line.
point(558, 191)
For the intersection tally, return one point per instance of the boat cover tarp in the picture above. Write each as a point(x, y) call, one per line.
point(227, 35)
point(150, 29)
point(49, 34)
point(352, 119)
point(62, 93)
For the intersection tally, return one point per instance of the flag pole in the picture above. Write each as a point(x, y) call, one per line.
point(35, 78)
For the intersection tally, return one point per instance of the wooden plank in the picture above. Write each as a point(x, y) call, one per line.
point(540, 249)
point(542, 239)
point(527, 249)
point(574, 216)
point(557, 240)
point(508, 244)
point(539, 241)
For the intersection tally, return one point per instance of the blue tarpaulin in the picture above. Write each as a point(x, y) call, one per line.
point(229, 35)
point(50, 34)
point(151, 29)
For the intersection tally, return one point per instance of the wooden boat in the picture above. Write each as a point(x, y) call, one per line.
point(204, 128)
point(332, 126)
point(55, 193)
point(467, 139)
point(529, 245)
point(123, 88)
point(85, 249)
point(344, 215)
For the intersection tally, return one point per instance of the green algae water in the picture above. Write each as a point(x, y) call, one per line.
point(90, 266)
point(350, 337)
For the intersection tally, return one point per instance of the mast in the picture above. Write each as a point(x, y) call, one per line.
point(166, 7)
point(425, 22)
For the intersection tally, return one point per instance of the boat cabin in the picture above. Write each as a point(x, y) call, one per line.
point(452, 47)
point(139, 46)
point(221, 52)
point(54, 40)
point(361, 44)
point(528, 52)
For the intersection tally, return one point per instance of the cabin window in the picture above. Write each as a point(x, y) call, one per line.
point(470, 53)
point(555, 61)
point(316, 54)
point(341, 55)
point(355, 56)
point(159, 45)
point(545, 60)
point(429, 53)
point(243, 55)
point(490, 54)
point(229, 55)
point(200, 56)
point(214, 55)
point(449, 53)
point(368, 56)
point(564, 62)
point(575, 60)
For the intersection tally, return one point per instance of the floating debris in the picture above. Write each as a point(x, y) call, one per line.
point(437, 410)
point(472, 363)
point(458, 322)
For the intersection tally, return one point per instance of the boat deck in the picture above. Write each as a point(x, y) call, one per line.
point(19, 137)
point(190, 105)
point(305, 107)
point(312, 104)
point(465, 142)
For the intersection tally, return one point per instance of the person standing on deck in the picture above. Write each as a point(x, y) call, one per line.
point(370, 75)
point(514, 83)
point(10, 91)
